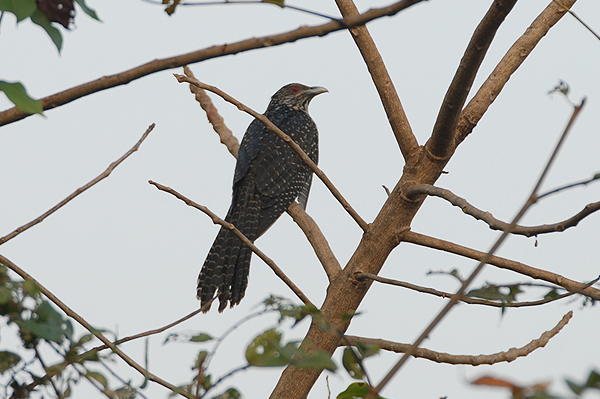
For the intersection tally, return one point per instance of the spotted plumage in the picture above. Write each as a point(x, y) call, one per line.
point(269, 176)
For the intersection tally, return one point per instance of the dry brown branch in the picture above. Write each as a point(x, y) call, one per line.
point(307, 224)
point(383, 83)
point(503, 263)
point(242, 237)
point(486, 258)
point(440, 357)
point(216, 120)
point(363, 225)
point(107, 82)
point(80, 190)
point(465, 299)
point(513, 59)
point(345, 294)
point(442, 144)
point(25, 276)
point(492, 222)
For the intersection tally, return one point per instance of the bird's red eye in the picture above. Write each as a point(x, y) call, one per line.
point(294, 89)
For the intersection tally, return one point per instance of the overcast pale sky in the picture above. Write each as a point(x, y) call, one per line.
point(126, 256)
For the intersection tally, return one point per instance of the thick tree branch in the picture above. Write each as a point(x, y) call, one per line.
point(383, 83)
point(80, 190)
point(96, 332)
point(440, 357)
point(320, 174)
point(14, 114)
point(441, 144)
point(465, 299)
point(309, 227)
point(241, 236)
point(503, 263)
point(491, 88)
point(491, 221)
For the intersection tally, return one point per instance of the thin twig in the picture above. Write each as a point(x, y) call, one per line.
point(185, 79)
point(80, 190)
point(466, 299)
point(440, 357)
point(96, 332)
point(106, 82)
point(578, 19)
point(456, 297)
point(242, 237)
point(595, 178)
point(155, 331)
point(491, 221)
point(243, 2)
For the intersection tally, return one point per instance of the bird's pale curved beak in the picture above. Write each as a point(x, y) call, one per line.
point(316, 90)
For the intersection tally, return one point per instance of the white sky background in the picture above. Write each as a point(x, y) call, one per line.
point(126, 257)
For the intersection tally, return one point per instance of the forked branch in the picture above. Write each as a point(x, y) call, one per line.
point(241, 236)
point(310, 229)
point(441, 144)
point(320, 174)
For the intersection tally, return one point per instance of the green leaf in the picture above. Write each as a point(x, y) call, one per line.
point(276, 2)
point(202, 355)
point(30, 287)
point(125, 392)
point(98, 377)
point(367, 350)
point(266, 350)
point(87, 9)
point(40, 19)
point(496, 293)
point(231, 393)
point(18, 95)
point(552, 294)
point(21, 8)
point(8, 360)
point(48, 324)
point(5, 294)
point(596, 176)
point(351, 364)
point(202, 337)
point(317, 360)
point(356, 390)
point(593, 382)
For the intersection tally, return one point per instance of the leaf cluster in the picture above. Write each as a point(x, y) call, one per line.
point(40, 325)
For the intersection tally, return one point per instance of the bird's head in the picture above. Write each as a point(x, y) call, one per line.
point(296, 95)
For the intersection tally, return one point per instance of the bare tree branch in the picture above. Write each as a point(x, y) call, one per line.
point(106, 82)
point(363, 225)
point(491, 221)
point(91, 329)
point(242, 237)
point(310, 228)
point(486, 258)
point(440, 357)
point(441, 145)
point(513, 59)
point(383, 83)
point(80, 190)
point(465, 299)
point(503, 263)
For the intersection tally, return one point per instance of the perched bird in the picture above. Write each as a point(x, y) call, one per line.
point(269, 176)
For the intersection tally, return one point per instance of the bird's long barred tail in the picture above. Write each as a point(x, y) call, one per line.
point(227, 265)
